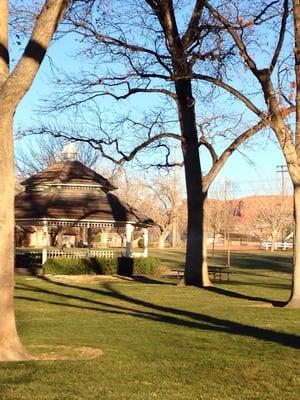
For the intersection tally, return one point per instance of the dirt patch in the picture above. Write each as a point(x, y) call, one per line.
point(164, 270)
point(261, 305)
point(60, 352)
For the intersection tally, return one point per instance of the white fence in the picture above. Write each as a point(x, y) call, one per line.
point(278, 245)
point(80, 253)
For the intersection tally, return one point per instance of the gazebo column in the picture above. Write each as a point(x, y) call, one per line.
point(45, 242)
point(128, 232)
point(89, 237)
point(146, 240)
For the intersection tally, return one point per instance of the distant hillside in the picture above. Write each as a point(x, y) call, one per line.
point(241, 212)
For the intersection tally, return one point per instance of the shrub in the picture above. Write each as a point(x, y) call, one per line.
point(29, 260)
point(145, 266)
point(70, 266)
point(138, 266)
point(104, 266)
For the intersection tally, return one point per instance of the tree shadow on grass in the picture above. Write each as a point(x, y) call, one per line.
point(236, 295)
point(255, 260)
point(272, 285)
point(276, 263)
point(156, 312)
point(154, 281)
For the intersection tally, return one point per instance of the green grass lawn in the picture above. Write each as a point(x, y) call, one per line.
point(160, 340)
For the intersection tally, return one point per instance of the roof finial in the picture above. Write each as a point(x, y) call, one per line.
point(69, 152)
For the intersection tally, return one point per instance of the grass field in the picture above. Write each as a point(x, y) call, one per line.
point(160, 340)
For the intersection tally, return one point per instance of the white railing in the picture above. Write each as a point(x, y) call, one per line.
point(277, 246)
point(137, 255)
point(80, 253)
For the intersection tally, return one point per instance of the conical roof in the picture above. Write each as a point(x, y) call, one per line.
point(70, 191)
point(68, 172)
point(60, 204)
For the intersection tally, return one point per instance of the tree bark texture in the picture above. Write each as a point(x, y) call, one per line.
point(193, 274)
point(296, 14)
point(10, 345)
point(294, 301)
point(12, 88)
point(162, 239)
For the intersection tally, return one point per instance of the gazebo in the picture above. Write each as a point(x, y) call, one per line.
point(65, 206)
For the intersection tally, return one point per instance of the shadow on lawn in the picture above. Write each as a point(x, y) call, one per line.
point(154, 281)
point(272, 285)
point(271, 262)
point(156, 312)
point(229, 293)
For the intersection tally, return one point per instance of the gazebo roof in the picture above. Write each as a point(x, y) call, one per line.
point(70, 192)
point(60, 204)
point(68, 172)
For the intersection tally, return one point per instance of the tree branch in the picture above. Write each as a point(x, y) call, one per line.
point(99, 144)
point(110, 40)
point(281, 35)
point(192, 28)
point(218, 164)
point(233, 91)
point(203, 141)
point(21, 78)
point(237, 39)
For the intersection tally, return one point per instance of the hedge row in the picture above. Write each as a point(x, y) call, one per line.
point(101, 266)
point(29, 260)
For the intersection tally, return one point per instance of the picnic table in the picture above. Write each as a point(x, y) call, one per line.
point(218, 271)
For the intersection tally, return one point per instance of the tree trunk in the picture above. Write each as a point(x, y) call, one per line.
point(205, 277)
point(273, 244)
point(174, 233)
point(294, 301)
point(161, 243)
point(213, 242)
point(10, 345)
point(12, 88)
point(162, 239)
point(193, 274)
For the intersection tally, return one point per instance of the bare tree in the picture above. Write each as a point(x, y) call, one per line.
point(13, 86)
point(164, 207)
point(46, 150)
point(157, 199)
point(150, 48)
point(270, 219)
point(275, 80)
point(215, 216)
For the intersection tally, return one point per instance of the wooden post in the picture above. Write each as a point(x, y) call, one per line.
point(129, 229)
point(146, 239)
point(45, 242)
point(89, 237)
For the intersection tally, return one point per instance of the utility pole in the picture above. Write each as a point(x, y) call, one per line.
point(282, 169)
point(175, 200)
point(227, 232)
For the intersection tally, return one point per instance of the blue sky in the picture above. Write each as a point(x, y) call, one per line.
point(263, 152)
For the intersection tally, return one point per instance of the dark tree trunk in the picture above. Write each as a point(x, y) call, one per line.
point(193, 274)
